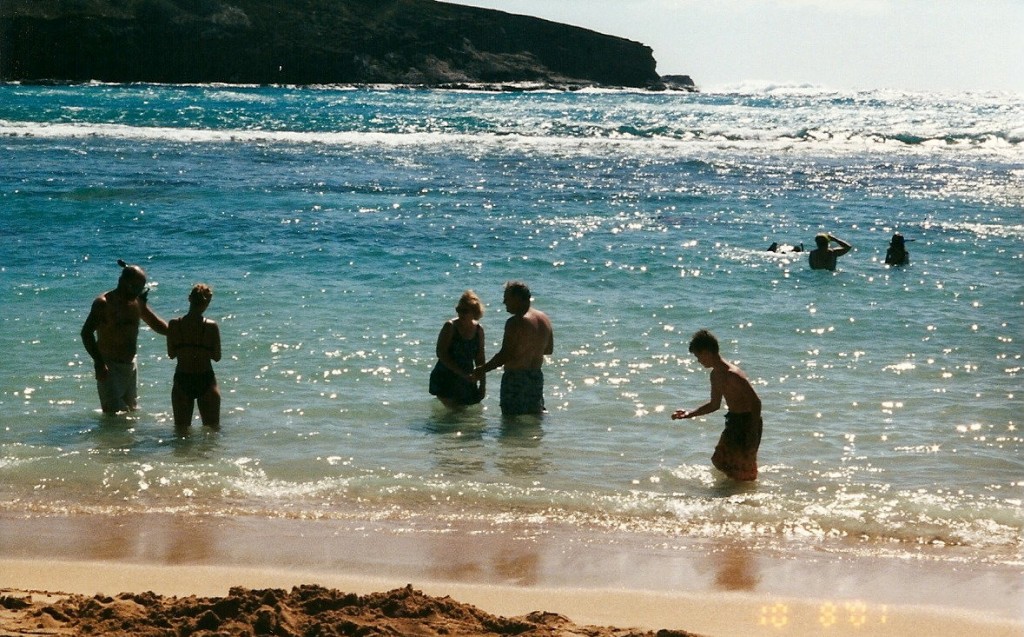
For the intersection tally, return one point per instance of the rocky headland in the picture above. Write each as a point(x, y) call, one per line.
point(410, 42)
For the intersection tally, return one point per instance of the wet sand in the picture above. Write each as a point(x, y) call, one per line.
point(588, 577)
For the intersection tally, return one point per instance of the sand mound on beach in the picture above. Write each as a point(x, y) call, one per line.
point(305, 611)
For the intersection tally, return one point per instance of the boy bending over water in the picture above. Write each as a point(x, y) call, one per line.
point(736, 453)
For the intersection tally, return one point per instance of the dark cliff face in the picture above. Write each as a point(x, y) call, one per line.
point(305, 42)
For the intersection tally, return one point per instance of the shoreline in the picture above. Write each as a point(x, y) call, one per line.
point(715, 589)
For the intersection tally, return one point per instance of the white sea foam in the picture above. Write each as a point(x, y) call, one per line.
point(807, 118)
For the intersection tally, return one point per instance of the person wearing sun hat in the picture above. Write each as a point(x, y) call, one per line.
point(897, 253)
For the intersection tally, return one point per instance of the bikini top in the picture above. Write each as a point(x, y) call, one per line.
point(199, 345)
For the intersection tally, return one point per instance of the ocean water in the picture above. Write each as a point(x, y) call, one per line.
point(339, 226)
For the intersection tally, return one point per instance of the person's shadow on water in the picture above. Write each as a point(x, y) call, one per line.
point(466, 421)
point(725, 487)
point(736, 566)
point(521, 451)
point(194, 443)
point(107, 438)
point(458, 438)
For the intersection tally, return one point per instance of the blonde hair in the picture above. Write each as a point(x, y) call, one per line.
point(200, 292)
point(470, 299)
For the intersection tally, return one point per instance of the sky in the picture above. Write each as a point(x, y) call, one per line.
point(917, 45)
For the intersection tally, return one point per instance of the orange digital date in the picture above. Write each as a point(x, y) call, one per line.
point(855, 614)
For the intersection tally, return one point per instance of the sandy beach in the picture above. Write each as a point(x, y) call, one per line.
point(586, 579)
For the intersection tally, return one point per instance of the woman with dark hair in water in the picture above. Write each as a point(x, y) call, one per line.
point(195, 342)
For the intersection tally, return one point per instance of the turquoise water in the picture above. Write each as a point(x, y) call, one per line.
point(339, 226)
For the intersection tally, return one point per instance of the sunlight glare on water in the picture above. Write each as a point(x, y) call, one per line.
point(338, 228)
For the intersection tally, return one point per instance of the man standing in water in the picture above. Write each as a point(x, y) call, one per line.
point(528, 338)
point(111, 334)
point(736, 452)
point(823, 257)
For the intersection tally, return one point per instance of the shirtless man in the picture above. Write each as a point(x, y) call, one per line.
point(824, 257)
point(111, 334)
point(736, 453)
point(528, 338)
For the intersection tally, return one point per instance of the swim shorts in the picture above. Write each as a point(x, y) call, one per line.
point(736, 452)
point(522, 392)
point(119, 391)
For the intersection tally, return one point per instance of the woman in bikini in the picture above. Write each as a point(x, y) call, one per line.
point(460, 349)
point(195, 342)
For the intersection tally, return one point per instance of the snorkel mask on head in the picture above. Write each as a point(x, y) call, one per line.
point(132, 290)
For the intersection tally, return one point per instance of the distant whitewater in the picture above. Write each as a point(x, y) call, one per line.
point(339, 226)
